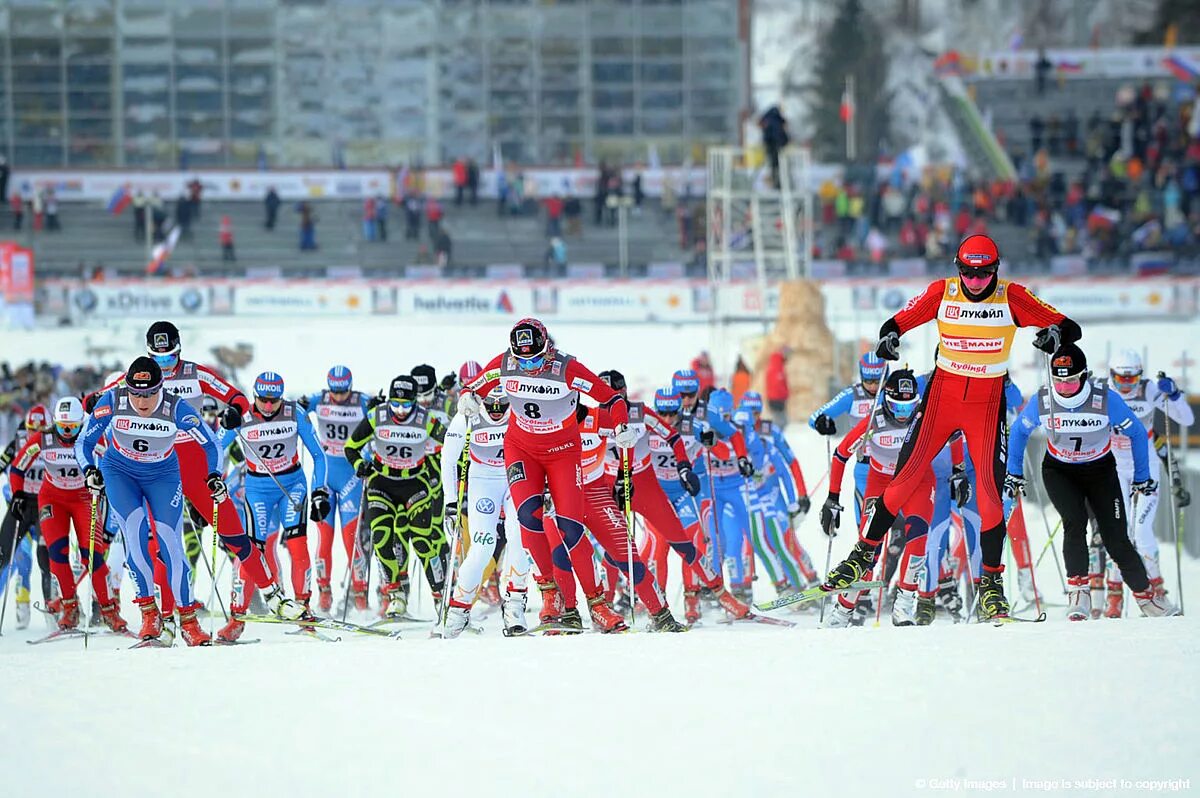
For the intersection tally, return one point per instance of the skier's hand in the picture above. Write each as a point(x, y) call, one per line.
point(625, 436)
point(688, 479)
point(318, 505)
point(801, 506)
point(376, 400)
point(303, 402)
point(745, 467)
point(93, 480)
point(1182, 497)
point(448, 381)
point(619, 495)
point(831, 515)
point(1167, 386)
point(1014, 484)
point(824, 425)
point(1147, 487)
point(888, 347)
point(469, 405)
point(1048, 339)
point(960, 486)
point(231, 417)
point(450, 518)
point(23, 506)
point(217, 487)
point(197, 518)
point(364, 468)
point(708, 438)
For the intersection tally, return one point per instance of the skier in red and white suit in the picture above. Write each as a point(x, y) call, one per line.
point(191, 381)
point(541, 445)
point(977, 316)
point(650, 501)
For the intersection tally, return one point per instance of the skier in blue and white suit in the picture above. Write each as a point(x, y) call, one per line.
point(855, 401)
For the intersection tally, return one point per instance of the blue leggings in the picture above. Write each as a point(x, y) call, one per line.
point(133, 490)
point(345, 491)
point(271, 508)
point(22, 562)
point(938, 543)
point(733, 522)
point(861, 469)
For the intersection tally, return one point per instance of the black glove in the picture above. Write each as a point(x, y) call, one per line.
point(217, 488)
point(318, 505)
point(364, 468)
point(888, 347)
point(231, 417)
point(824, 425)
point(619, 492)
point(831, 515)
point(10, 452)
point(1182, 497)
point(688, 479)
point(745, 467)
point(448, 381)
point(1014, 484)
point(376, 400)
point(93, 479)
point(803, 505)
point(1147, 487)
point(23, 503)
point(303, 402)
point(89, 402)
point(1048, 339)
point(960, 486)
point(708, 437)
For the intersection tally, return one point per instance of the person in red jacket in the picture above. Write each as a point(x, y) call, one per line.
point(541, 446)
point(777, 386)
point(977, 316)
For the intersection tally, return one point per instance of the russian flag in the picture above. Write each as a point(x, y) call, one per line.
point(120, 200)
point(1070, 67)
point(1182, 70)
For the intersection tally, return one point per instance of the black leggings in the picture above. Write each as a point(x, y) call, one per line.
point(1074, 488)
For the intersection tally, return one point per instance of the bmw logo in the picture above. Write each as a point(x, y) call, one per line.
point(485, 505)
point(190, 300)
point(85, 300)
point(893, 299)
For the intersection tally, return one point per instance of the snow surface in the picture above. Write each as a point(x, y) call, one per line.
point(749, 710)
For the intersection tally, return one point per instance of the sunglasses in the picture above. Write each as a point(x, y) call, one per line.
point(143, 393)
point(530, 363)
point(1128, 380)
point(687, 394)
point(401, 404)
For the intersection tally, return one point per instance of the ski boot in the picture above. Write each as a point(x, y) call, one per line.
point(283, 607)
point(111, 615)
point(1156, 584)
point(992, 603)
point(512, 610)
point(904, 608)
point(840, 616)
point(925, 611)
point(571, 620)
point(603, 617)
point(395, 601)
point(359, 596)
point(1114, 605)
point(167, 637)
point(854, 568)
point(1154, 607)
point(1096, 600)
point(552, 601)
point(189, 627)
point(863, 610)
point(951, 599)
point(1079, 598)
point(232, 631)
point(23, 608)
point(691, 606)
point(324, 598)
point(664, 621)
point(457, 619)
point(733, 606)
point(621, 605)
point(70, 614)
point(152, 622)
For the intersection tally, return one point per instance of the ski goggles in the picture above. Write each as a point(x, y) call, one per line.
point(167, 361)
point(67, 429)
point(143, 393)
point(1126, 381)
point(530, 363)
point(902, 408)
point(976, 278)
point(401, 406)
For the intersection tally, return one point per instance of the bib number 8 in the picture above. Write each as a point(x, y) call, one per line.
point(532, 410)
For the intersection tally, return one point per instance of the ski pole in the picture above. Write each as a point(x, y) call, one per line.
point(716, 517)
point(1175, 524)
point(464, 458)
point(7, 570)
point(828, 538)
point(212, 569)
point(627, 479)
point(1042, 502)
point(1049, 542)
point(91, 553)
point(297, 504)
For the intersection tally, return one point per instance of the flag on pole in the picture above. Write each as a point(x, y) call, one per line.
point(119, 200)
point(160, 253)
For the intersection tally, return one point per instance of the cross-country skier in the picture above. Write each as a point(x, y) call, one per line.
point(61, 502)
point(487, 498)
point(854, 401)
point(401, 490)
point(1144, 397)
point(882, 433)
point(730, 515)
point(276, 488)
point(338, 410)
point(16, 529)
point(1080, 474)
point(977, 316)
point(541, 447)
point(140, 475)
